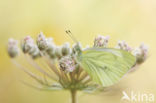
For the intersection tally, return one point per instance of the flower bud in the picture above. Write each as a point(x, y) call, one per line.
point(28, 46)
point(123, 45)
point(144, 49)
point(34, 52)
point(101, 41)
point(13, 48)
point(67, 64)
point(58, 52)
point(44, 43)
point(51, 52)
point(140, 53)
point(65, 49)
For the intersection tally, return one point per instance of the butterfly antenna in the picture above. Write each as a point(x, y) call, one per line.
point(71, 36)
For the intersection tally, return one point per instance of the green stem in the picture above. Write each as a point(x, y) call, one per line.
point(73, 96)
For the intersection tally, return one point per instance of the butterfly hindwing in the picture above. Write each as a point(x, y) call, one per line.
point(106, 66)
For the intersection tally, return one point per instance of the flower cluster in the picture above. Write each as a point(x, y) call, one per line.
point(67, 63)
point(123, 45)
point(64, 53)
point(141, 53)
point(101, 41)
point(13, 48)
point(28, 46)
point(61, 60)
point(44, 43)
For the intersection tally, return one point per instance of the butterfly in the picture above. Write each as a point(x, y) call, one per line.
point(106, 66)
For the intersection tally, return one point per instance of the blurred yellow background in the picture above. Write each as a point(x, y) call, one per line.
point(130, 20)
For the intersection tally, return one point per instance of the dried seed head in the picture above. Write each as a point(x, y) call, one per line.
point(101, 41)
point(13, 49)
point(67, 64)
point(44, 43)
point(140, 53)
point(123, 45)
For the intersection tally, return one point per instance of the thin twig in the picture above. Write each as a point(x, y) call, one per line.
point(38, 79)
point(37, 87)
point(79, 72)
point(36, 66)
point(84, 75)
point(86, 80)
point(52, 66)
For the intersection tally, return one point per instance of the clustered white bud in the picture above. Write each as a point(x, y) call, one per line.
point(66, 49)
point(101, 41)
point(140, 53)
point(123, 45)
point(67, 63)
point(13, 48)
point(28, 46)
point(44, 43)
point(51, 52)
point(58, 52)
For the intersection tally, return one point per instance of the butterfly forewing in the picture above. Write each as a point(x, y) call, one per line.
point(106, 66)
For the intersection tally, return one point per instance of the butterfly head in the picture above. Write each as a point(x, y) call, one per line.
point(77, 49)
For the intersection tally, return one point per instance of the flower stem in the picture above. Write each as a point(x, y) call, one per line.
point(73, 96)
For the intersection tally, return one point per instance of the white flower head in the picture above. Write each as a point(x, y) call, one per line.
point(67, 64)
point(137, 52)
point(13, 49)
point(123, 45)
point(101, 41)
point(58, 52)
point(28, 46)
point(43, 42)
point(66, 49)
point(144, 48)
point(141, 53)
point(41, 36)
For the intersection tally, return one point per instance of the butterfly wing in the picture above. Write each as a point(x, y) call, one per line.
point(106, 66)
